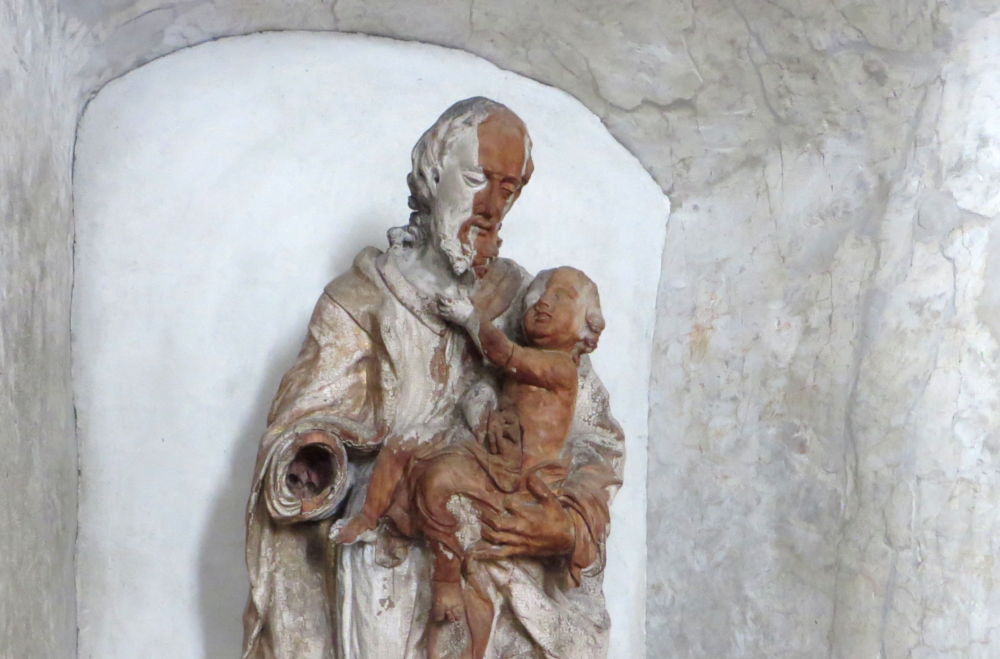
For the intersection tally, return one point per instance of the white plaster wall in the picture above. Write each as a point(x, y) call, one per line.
point(217, 190)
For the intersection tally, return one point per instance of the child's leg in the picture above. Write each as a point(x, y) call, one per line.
point(446, 585)
point(386, 475)
point(468, 602)
point(454, 598)
point(479, 615)
point(438, 481)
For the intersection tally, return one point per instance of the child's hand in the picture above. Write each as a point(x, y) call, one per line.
point(455, 309)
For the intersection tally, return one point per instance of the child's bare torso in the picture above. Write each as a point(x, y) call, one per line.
point(541, 387)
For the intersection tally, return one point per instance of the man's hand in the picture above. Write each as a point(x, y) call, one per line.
point(455, 309)
point(533, 523)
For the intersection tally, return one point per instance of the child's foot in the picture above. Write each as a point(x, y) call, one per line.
point(447, 605)
point(347, 532)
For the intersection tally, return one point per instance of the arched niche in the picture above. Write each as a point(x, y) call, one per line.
point(216, 191)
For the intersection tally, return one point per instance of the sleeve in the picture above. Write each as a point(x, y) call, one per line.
point(596, 453)
point(329, 389)
point(331, 392)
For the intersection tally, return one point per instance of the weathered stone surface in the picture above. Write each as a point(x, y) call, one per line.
point(917, 551)
point(823, 458)
point(37, 448)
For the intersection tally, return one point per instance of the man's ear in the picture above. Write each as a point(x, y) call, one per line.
point(529, 169)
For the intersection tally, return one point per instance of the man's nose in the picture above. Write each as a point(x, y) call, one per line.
point(493, 202)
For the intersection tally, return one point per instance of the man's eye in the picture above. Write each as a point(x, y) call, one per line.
point(474, 179)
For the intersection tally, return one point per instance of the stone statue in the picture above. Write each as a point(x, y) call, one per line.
point(438, 467)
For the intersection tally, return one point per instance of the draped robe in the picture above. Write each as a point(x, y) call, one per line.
point(378, 363)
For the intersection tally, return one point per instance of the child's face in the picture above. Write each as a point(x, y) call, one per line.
point(552, 317)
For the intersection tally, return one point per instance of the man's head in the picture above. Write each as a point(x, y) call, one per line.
point(468, 169)
point(562, 311)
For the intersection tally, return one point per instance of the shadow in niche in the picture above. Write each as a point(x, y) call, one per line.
point(222, 574)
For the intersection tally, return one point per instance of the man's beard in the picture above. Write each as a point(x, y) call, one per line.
point(459, 254)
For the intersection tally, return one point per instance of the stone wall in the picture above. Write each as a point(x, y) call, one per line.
point(824, 428)
point(38, 463)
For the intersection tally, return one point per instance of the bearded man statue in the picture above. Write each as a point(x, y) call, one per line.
point(378, 361)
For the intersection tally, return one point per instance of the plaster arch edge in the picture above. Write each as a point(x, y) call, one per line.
point(90, 91)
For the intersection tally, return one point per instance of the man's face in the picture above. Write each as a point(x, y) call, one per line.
point(482, 175)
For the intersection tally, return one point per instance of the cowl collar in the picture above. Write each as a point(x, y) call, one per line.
point(492, 295)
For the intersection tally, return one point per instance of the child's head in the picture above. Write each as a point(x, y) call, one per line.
point(562, 311)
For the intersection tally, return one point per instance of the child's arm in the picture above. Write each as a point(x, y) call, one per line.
point(549, 369)
point(491, 341)
point(541, 368)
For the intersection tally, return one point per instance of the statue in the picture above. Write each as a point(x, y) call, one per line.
point(438, 467)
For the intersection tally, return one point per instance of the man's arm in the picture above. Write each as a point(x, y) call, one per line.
point(324, 405)
point(596, 454)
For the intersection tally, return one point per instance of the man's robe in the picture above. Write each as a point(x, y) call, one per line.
point(377, 363)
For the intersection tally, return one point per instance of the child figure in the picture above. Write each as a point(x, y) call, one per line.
point(562, 321)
